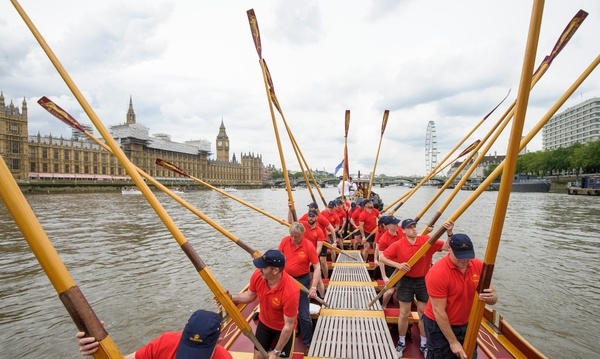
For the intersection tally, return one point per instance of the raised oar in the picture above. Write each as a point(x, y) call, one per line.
point(386, 114)
point(66, 118)
point(269, 88)
point(567, 34)
point(482, 187)
point(68, 292)
point(542, 68)
point(202, 269)
point(505, 188)
point(438, 168)
point(345, 171)
point(180, 171)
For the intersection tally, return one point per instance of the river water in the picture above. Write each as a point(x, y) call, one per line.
point(140, 283)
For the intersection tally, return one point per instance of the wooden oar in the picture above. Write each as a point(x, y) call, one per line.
point(69, 293)
point(503, 122)
point(345, 174)
point(178, 170)
point(567, 34)
point(66, 118)
point(272, 99)
point(514, 146)
point(202, 269)
point(386, 114)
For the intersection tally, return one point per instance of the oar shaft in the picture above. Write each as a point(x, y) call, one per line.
point(510, 165)
point(70, 295)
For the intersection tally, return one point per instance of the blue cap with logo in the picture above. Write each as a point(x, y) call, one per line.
point(408, 222)
point(199, 336)
point(462, 247)
point(271, 258)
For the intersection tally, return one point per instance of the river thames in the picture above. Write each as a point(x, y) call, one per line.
point(140, 283)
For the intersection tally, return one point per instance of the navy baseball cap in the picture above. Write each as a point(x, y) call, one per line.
point(271, 258)
point(392, 220)
point(408, 222)
point(313, 205)
point(331, 204)
point(383, 220)
point(312, 212)
point(462, 247)
point(200, 336)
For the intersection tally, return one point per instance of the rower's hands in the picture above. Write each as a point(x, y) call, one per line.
point(312, 293)
point(488, 296)
point(87, 345)
point(449, 225)
point(458, 350)
point(405, 267)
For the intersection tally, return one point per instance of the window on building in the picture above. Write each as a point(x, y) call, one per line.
point(44, 167)
point(55, 153)
point(56, 168)
point(86, 169)
point(14, 147)
point(95, 156)
point(66, 154)
point(86, 157)
point(67, 168)
point(14, 164)
point(31, 152)
point(44, 153)
point(76, 156)
point(76, 168)
point(32, 167)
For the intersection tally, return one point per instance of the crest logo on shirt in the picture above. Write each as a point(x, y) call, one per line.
point(475, 278)
point(302, 254)
point(276, 302)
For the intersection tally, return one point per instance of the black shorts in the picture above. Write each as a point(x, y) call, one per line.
point(389, 271)
point(408, 288)
point(268, 337)
point(371, 238)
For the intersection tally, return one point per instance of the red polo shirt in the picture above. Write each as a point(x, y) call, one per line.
point(165, 347)
point(298, 259)
point(445, 280)
point(401, 251)
point(277, 302)
point(313, 235)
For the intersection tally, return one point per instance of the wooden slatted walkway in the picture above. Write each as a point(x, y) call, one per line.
point(349, 328)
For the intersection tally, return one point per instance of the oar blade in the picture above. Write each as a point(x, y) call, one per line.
point(386, 114)
point(172, 167)
point(255, 32)
point(59, 113)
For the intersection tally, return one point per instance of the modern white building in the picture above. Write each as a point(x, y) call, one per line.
point(580, 123)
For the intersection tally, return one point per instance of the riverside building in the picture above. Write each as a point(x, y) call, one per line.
point(47, 157)
point(580, 123)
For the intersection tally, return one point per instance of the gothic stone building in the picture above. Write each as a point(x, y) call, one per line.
point(47, 157)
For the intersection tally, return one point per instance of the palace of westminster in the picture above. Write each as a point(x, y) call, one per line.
point(46, 157)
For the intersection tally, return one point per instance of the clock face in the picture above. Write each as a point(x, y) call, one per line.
point(219, 143)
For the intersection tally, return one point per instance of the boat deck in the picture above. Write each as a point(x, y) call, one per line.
point(349, 327)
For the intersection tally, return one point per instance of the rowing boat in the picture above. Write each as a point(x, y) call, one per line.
point(350, 328)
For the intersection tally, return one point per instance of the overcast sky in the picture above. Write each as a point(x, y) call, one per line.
point(190, 64)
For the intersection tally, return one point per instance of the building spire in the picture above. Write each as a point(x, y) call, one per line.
point(130, 113)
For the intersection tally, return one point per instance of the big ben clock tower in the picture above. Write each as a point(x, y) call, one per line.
point(222, 144)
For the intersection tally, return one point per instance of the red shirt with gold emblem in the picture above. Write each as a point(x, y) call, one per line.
point(445, 280)
point(313, 235)
point(277, 302)
point(298, 259)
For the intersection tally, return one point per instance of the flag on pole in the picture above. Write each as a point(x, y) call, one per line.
point(337, 168)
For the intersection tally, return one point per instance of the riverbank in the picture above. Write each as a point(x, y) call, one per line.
point(103, 186)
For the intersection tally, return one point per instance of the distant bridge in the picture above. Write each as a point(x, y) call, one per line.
point(377, 182)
